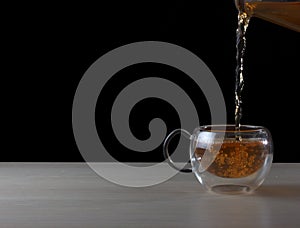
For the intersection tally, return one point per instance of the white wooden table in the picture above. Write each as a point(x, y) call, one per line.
point(72, 195)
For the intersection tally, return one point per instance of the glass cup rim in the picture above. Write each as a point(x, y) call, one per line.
point(231, 128)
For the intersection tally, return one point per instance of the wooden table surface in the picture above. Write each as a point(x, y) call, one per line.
point(72, 195)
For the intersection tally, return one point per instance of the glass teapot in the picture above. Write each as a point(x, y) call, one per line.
point(285, 13)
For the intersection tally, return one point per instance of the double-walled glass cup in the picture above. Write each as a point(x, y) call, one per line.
point(226, 160)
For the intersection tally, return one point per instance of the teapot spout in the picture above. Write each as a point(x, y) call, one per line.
point(240, 5)
point(285, 13)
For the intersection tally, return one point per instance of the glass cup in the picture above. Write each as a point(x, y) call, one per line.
point(226, 160)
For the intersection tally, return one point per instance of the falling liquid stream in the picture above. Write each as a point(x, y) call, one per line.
point(243, 22)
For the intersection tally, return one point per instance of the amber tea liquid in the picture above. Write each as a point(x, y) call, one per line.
point(243, 22)
point(235, 158)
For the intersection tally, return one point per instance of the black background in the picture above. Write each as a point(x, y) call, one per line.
point(48, 47)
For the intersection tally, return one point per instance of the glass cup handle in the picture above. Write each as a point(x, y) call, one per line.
point(166, 150)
